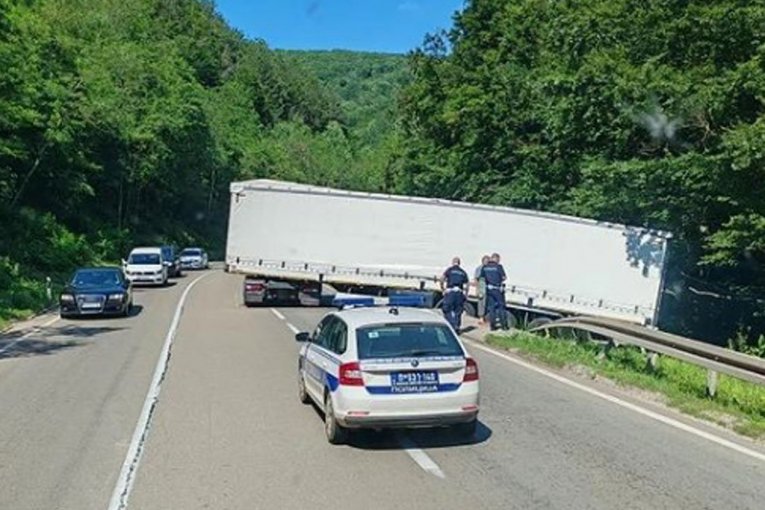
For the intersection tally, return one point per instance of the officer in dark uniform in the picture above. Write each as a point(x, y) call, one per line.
point(495, 277)
point(453, 283)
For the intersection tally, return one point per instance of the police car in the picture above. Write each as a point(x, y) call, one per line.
point(387, 368)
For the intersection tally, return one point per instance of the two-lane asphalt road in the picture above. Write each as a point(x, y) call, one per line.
point(70, 396)
point(228, 431)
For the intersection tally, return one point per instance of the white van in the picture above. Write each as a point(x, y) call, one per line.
point(146, 265)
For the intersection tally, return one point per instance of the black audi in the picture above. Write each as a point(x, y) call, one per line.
point(97, 291)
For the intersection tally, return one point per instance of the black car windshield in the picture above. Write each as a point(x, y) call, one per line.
point(96, 278)
point(407, 340)
point(144, 259)
point(191, 253)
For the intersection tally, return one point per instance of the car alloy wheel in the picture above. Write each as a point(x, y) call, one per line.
point(302, 393)
point(335, 433)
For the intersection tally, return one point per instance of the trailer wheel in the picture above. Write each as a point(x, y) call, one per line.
point(512, 320)
point(539, 321)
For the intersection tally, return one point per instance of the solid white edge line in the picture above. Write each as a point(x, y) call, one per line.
point(278, 314)
point(121, 493)
point(628, 405)
point(421, 458)
point(34, 331)
point(293, 328)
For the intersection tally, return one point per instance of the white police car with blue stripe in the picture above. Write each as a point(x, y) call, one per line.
point(388, 368)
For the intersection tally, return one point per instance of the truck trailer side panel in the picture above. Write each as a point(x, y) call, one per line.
point(558, 262)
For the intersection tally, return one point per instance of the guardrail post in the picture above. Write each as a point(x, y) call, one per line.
point(711, 383)
point(653, 361)
point(605, 349)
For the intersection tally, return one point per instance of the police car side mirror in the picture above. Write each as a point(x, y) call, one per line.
point(303, 336)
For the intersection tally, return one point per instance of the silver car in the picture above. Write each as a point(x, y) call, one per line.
point(194, 258)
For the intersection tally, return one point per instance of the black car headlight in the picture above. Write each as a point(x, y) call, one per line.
point(116, 297)
point(67, 298)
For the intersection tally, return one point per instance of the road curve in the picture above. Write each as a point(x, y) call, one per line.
point(229, 432)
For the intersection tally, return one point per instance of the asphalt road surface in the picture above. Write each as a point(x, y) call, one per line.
point(228, 431)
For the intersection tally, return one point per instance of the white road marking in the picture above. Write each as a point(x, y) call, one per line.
point(420, 457)
point(628, 405)
point(278, 314)
point(34, 331)
point(129, 469)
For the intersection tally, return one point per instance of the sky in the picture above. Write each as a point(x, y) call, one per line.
point(388, 26)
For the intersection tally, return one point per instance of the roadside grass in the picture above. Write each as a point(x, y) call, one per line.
point(23, 297)
point(737, 405)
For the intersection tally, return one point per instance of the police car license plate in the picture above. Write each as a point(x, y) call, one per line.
point(91, 306)
point(414, 382)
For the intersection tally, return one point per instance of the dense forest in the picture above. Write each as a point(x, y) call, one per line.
point(123, 121)
point(367, 84)
point(647, 112)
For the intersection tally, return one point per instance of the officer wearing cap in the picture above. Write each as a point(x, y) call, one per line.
point(495, 277)
point(453, 283)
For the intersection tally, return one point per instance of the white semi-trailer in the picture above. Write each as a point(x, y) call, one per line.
point(292, 238)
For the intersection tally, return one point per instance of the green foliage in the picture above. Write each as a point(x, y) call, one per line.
point(650, 113)
point(123, 122)
point(367, 84)
point(738, 404)
point(744, 342)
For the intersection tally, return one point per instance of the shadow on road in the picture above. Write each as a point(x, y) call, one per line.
point(140, 289)
point(31, 347)
point(73, 329)
point(427, 438)
point(51, 340)
point(443, 437)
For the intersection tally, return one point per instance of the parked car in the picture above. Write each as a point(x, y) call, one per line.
point(194, 258)
point(388, 368)
point(146, 265)
point(172, 261)
point(96, 291)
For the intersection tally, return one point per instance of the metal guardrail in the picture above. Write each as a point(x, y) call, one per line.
point(714, 358)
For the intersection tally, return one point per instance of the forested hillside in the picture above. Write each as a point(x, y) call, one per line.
point(123, 121)
point(645, 112)
point(368, 85)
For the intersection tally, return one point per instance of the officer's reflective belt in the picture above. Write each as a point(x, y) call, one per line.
point(454, 289)
point(496, 287)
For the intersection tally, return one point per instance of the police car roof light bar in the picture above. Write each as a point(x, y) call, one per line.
point(353, 302)
point(413, 300)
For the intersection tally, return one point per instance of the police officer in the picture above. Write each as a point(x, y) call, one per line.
point(453, 283)
point(495, 277)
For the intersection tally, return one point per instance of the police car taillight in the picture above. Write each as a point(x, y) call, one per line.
point(471, 370)
point(350, 374)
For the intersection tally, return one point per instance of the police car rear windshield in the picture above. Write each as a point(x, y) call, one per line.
point(406, 341)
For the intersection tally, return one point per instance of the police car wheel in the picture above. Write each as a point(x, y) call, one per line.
point(335, 433)
point(302, 393)
point(466, 429)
